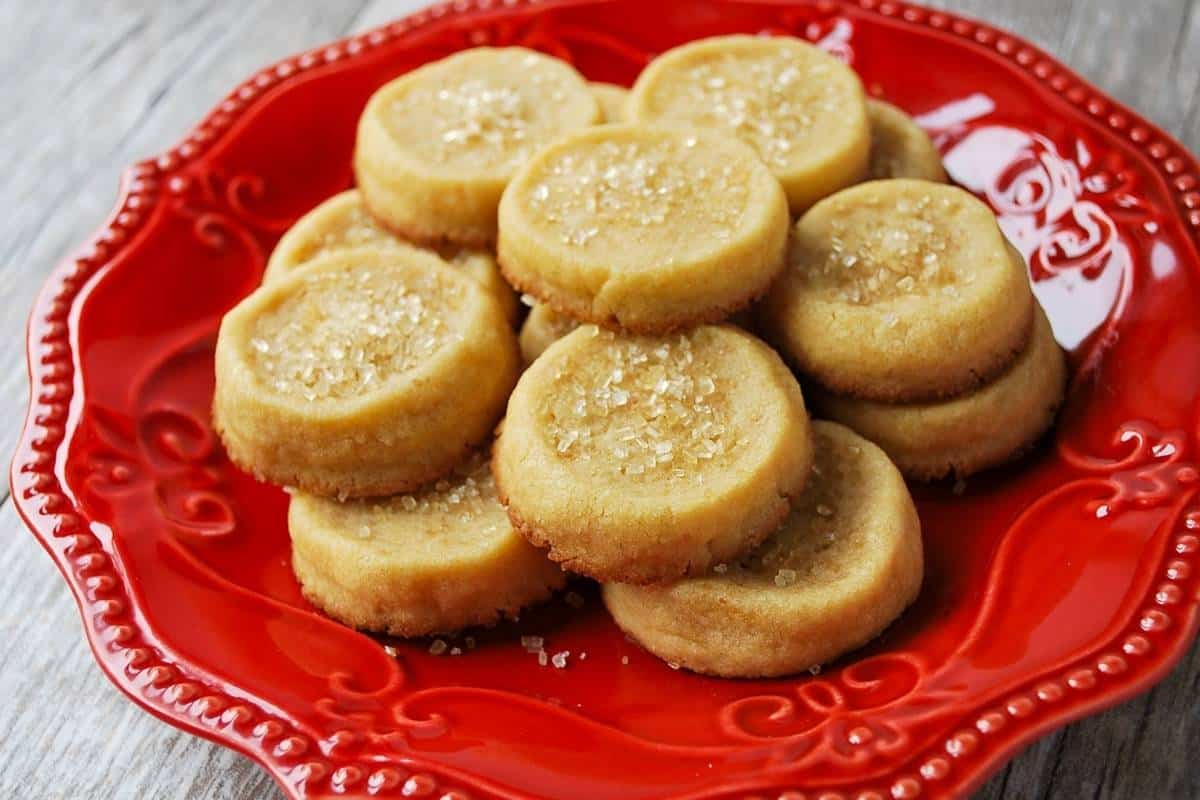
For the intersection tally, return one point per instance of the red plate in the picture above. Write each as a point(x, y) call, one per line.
point(1054, 588)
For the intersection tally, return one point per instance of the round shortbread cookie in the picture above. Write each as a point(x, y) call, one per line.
point(342, 222)
point(543, 327)
point(365, 372)
point(611, 99)
point(645, 228)
point(802, 110)
point(844, 565)
point(437, 146)
point(438, 560)
point(642, 459)
point(900, 290)
point(899, 147)
point(962, 435)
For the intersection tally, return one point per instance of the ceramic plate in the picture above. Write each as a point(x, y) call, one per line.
point(1054, 588)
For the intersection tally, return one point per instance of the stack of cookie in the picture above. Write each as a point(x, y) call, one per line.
point(670, 459)
point(370, 370)
point(913, 319)
point(653, 442)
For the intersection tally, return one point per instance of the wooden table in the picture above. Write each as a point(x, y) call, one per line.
point(90, 86)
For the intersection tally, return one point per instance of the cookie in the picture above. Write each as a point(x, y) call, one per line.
point(802, 110)
point(900, 291)
point(612, 99)
point(649, 229)
point(899, 147)
point(366, 372)
point(342, 222)
point(971, 432)
point(543, 327)
point(646, 458)
point(437, 560)
point(437, 146)
point(844, 565)
point(483, 267)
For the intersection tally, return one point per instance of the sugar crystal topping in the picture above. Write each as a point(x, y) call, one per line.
point(817, 542)
point(873, 249)
point(466, 496)
point(345, 332)
point(774, 101)
point(355, 228)
point(489, 115)
point(641, 406)
point(613, 191)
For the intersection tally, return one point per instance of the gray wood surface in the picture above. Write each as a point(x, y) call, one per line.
point(89, 86)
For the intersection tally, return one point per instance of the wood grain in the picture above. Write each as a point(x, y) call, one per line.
point(89, 87)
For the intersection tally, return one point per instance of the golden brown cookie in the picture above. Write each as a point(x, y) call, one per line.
point(844, 565)
point(646, 458)
point(342, 222)
point(437, 146)
point(799, 107)
point(900, 291)
point(366, 372)
point(621, 225)
point(543, 327)
point(899, 147)
point(611, 99)
point(964, 434)
point(437, 560)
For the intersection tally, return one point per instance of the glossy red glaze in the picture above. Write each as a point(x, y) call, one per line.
point(1055, 587)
